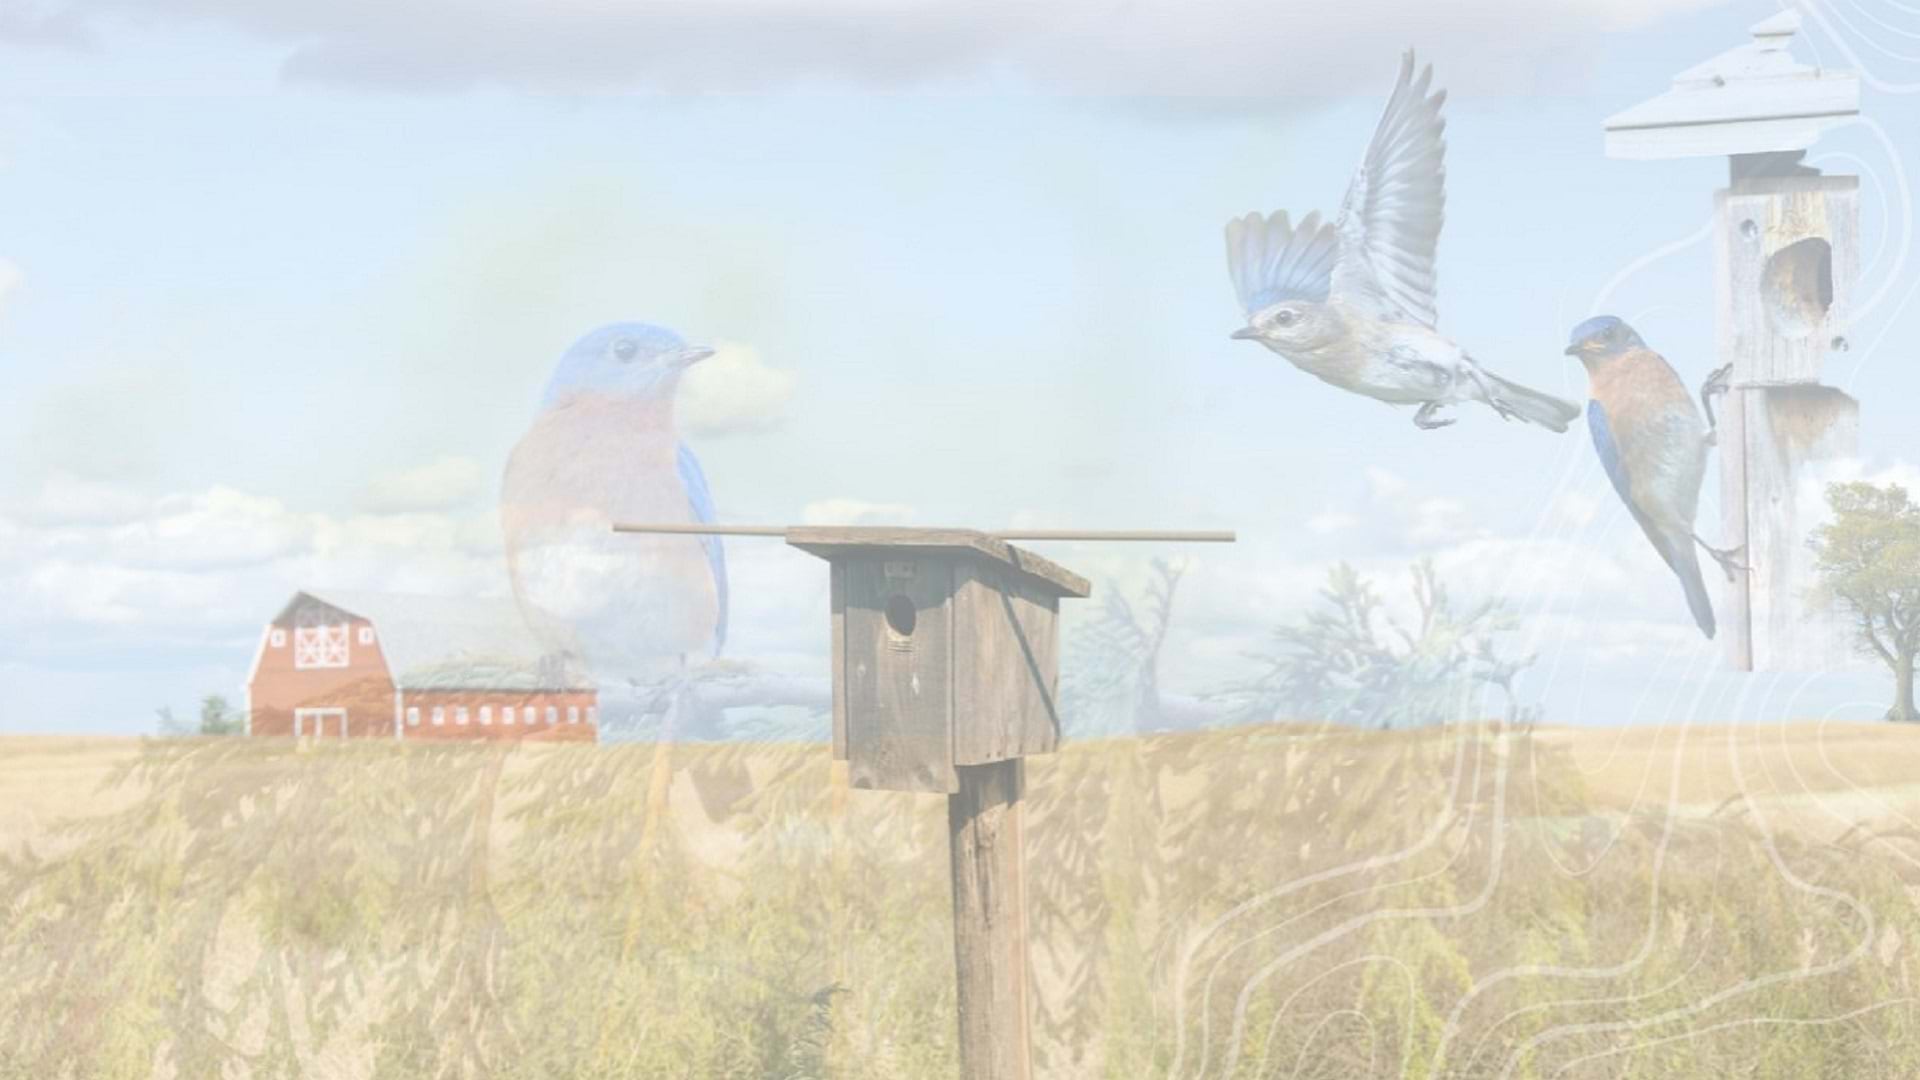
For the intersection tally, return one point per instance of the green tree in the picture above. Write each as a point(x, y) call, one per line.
point(1350, 663)
point(1868, 558)
point(216, 718)
point(219, 718)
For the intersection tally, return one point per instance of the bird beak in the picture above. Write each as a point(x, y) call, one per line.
point(692, 355)
point(1245, 333)
point(1574, 350)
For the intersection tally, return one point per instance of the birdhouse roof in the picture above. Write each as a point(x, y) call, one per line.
point(1750, 100)
point(838, 542)
point(458, 643)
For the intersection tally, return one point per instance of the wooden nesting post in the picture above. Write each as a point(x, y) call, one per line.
point(946, 648)
point(946, 659)
point(1786, 242)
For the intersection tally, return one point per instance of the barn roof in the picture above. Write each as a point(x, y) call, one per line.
point(460, 643)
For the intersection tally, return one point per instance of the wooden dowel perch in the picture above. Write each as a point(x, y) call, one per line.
point(1140, 535)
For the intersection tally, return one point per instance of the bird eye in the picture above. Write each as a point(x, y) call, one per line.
point(625, 349)
point(1284, 318)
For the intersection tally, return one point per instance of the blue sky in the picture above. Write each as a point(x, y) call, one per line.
point(285, 281)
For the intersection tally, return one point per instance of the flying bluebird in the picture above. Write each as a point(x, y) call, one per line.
point(603, 450)
point(1352, 303)
point(1653, 445)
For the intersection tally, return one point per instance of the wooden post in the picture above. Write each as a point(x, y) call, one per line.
point(1787, 256)
point(990, 921)
point(1786, 259)
point(946, 666)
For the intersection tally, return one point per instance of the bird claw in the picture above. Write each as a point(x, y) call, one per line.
point(1423, 418)
point(1719, 381)
point(1728, 558)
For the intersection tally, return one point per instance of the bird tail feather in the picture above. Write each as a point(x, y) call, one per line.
point(1532, 405)
point(1687, 567)
point(1272, 259)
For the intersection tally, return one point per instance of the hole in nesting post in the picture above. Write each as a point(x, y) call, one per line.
point(900, 615)
point(1796, 288)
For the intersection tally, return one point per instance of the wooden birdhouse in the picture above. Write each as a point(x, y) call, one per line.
point(1787, 256)
point(946, 659)
point(946, 647)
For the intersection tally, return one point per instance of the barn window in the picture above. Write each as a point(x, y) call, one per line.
point(413, 716)
point(278, 637)
point(486, 715)
point(573, 714)
point(553, 714)
point(439, 716)
point(506, 714)
point(460, 715)
point(317, 643)
point(366, 635)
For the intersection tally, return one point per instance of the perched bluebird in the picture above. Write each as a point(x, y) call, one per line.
point(1352, 303)
point(1653, 445)
point(603, 450)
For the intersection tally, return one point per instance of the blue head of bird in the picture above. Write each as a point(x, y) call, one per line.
point(1602, 337)
point(1292, 326)
point(631, 360)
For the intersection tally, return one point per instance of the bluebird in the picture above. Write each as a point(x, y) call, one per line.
point(1352, 303)
point(1653, 445)
point(603, 449)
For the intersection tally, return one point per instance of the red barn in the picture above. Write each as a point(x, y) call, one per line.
point(384, 665)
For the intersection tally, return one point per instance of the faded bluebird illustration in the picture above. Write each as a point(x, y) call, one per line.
point(603, 449)
point(1352, 303)
point(1653, 445)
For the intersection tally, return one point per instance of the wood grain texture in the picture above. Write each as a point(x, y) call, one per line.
point(1006, 666)
point(837, 605)
point(837, 541)
point(1756, 221)
point(1783, 245)
point(984, 834)
point(1735, 618)
point(899, 687)
point(1791, 431)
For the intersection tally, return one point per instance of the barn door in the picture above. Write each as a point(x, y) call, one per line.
point(320, 723)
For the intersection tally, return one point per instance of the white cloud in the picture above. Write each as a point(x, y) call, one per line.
point(1384, 483)
point(1237, 47)
point(441, 484)
point(115, 570)
point(1576, 509)
point(732, 393)
point(1440, 521)
point(855, 512)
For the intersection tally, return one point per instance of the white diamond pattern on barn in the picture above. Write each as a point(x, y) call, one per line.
point(320, 646)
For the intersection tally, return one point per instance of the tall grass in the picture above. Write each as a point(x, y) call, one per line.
point(1275, 901)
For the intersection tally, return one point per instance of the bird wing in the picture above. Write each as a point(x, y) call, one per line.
point(1676, 551)
point(1270, 259)
point(1609, 452)
point(1390, 222)
point(701, 500)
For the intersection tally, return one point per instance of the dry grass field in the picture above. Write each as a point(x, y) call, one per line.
point(1261, 902)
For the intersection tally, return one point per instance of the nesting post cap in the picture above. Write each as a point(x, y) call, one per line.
point(1755, 99)
point(832, 542)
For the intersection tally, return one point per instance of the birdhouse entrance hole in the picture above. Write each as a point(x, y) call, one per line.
point(1797, 287)
point(900, 616)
